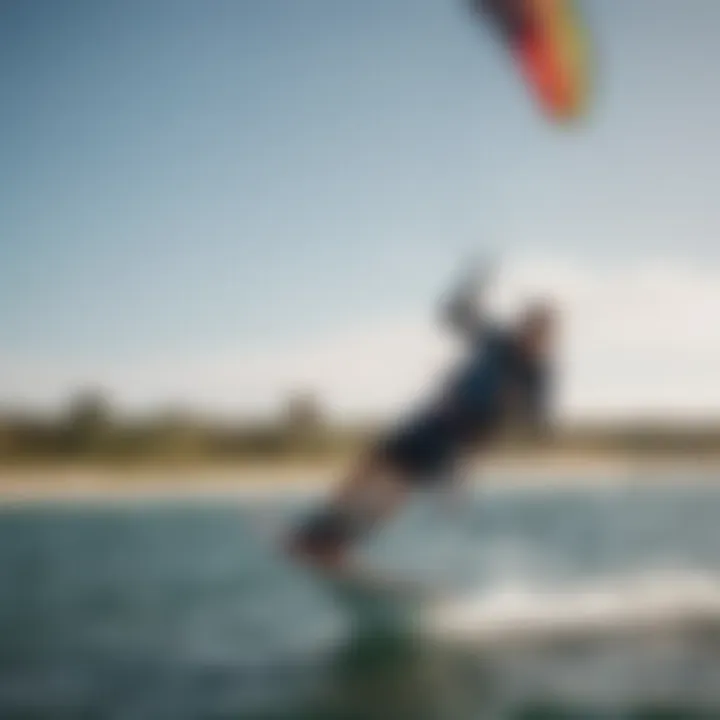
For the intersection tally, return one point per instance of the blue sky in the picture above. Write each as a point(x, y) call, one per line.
point(179, 175)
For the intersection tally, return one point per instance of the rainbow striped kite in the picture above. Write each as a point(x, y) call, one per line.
point(549, 44)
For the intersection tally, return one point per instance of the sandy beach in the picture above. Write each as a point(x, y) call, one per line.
point(87, 483)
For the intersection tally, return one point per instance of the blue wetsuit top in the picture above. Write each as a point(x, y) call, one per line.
point(497, 382)
point(476, 398)
point(474, 404)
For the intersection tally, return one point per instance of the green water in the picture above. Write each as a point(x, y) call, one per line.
point(183, 610)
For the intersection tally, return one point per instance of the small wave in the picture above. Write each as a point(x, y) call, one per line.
point(645, 602)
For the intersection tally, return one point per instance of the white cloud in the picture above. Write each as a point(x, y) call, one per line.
point(637, 340)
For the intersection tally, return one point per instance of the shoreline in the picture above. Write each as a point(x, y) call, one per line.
point(85, 483)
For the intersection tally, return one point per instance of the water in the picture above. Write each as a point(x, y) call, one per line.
point(182, 610)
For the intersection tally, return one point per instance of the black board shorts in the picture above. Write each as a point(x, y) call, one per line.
point(424, 449)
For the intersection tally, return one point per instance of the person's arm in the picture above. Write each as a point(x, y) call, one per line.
point(462, 311)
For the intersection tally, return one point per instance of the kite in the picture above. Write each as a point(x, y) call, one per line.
point(548, 43)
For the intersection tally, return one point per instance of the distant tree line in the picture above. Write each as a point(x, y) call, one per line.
point(90, 428)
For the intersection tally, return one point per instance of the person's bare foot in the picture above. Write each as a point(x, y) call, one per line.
point(326, 558)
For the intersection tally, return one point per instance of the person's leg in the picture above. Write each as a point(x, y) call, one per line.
point(376, 488)
point(369, 495)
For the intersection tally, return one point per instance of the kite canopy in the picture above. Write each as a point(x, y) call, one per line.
point(548, 43)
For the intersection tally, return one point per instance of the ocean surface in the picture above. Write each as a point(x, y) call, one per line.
point(589, 603)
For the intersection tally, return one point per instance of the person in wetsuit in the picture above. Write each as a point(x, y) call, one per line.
point(504, 380)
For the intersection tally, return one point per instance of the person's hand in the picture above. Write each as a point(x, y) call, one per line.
point(463, 307)
point(477, 275)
